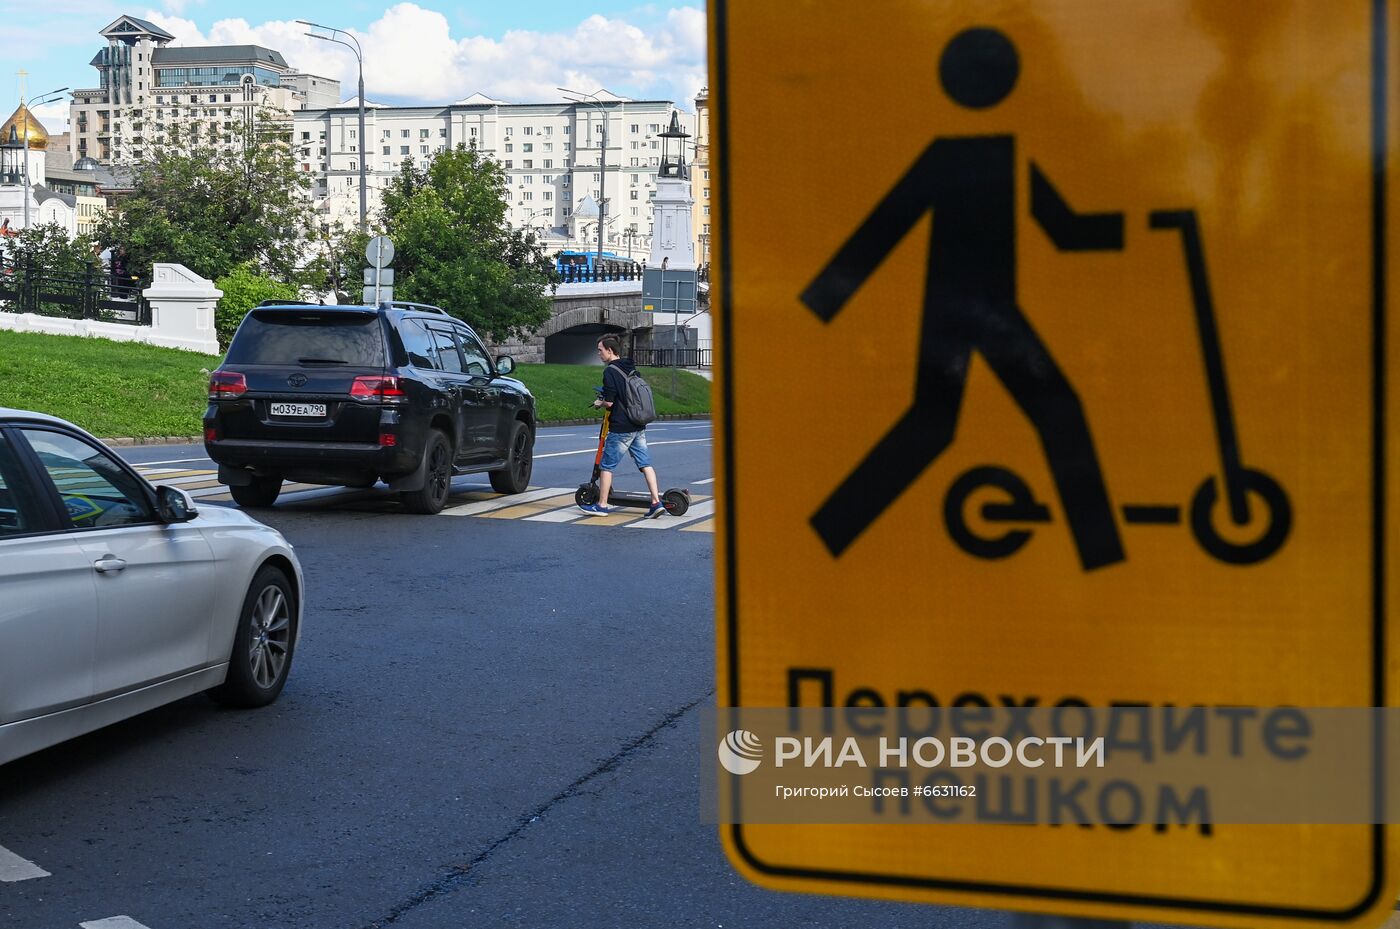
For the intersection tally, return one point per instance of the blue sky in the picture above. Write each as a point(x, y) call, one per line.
point(416, 52)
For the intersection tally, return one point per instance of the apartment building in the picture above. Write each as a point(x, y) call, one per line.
point(551, 153)
point(152, 91)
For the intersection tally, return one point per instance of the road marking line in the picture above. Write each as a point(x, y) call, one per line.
point(707, 526)
point(620, 516)
point(696, 512)
point(503, 501)
point(556, 435)
point(13, 868)
point(141, 464)
point(113, 922)
point(708, 480)
point(678, 442)
point(566, 515)
point(577, 451)
point(163, 473)
point(533, 508)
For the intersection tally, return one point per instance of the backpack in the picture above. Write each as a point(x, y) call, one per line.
point(636, 399)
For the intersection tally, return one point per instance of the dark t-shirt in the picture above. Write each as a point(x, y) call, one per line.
point(614, 386)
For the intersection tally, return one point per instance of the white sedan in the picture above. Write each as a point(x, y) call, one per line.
point(117, 597)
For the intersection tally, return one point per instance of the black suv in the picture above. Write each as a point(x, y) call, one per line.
point(349, 395)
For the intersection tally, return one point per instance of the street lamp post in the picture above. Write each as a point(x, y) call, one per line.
point(602, 166)
point(363, 146)
point(49, 97)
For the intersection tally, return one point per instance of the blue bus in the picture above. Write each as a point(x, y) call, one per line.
point(583, 264)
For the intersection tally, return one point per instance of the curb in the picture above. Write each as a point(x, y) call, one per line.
point(197, 439)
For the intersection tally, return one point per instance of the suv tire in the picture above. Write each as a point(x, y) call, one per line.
point(437, 477)
point(263, 643)
point(261, 492)
point(515, 476)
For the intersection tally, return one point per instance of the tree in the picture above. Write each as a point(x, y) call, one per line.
point(212, 206)
point(244, 289)
point(454, 249)
point(48, 250)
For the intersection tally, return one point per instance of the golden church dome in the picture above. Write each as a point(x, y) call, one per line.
point(38, 138)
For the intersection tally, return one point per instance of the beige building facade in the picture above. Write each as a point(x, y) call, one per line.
point(151, 92)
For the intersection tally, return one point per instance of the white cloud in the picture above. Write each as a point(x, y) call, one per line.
point(411, 55)
point(53, 116)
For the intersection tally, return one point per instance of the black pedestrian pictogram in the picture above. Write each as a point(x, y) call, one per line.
point(970, 305)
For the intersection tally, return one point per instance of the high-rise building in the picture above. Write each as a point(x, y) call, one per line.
point(152, 91)
point(550, 153)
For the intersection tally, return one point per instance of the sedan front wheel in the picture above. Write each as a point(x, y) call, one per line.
point(262, 644)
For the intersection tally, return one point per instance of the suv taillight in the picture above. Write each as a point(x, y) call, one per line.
point(376, 387)
point(227, 385)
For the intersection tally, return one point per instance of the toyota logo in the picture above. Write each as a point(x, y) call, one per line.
point(297, 380)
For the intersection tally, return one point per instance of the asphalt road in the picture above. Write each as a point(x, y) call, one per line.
point(490, 722)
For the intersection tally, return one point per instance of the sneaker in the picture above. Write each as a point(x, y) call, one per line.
point(656, 509)
point(593, 509)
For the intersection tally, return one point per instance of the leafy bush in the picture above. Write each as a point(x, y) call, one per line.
point(244, 289)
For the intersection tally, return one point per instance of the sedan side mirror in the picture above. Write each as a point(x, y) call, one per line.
point(505, 364)
point(172, 506)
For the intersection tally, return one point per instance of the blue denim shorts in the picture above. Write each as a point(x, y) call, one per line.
point(619, 442)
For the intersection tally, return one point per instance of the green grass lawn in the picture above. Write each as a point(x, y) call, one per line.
point(566, 391)
point(123, 389)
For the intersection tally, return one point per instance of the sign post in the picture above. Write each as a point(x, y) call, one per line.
point(379, 277)
point(1083, 401)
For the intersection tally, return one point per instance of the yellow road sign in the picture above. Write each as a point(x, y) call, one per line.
point(1056, 363)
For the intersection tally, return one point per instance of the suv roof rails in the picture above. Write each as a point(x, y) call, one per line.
point(289, 303)
point(421, 307)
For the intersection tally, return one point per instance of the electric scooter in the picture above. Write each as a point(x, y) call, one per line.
point(676, 500)
point(1235, 484)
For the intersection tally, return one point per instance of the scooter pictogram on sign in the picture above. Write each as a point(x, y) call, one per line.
point(970, 304)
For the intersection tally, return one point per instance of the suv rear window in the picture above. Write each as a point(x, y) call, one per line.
point(280, 337)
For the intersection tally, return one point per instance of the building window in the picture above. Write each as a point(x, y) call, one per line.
point(442, 133)
point(472, 132)
point(549, 162)
point(529, 178)
point(707, 193)
point(388, 134)
point(635, 128)
point(634, 211)
point(386, 150)
point(509, 165)
point(566, 146)
point(527, 147)
point(403, 133)
point(597, 176)
point(352, 133)
point(354, 166)
point(549, 146)
point(528, 195)
point(403, 149)
point(633, 195)
point(529, 130)
point(634, 162)
point(422, 149)
point(422, 133)
point(528, 163)
point(568, 130)
point(549, 195)
point(707, 210)
point(508, 128)
point(567, 212)
point(509, 147)
point(707, 229)
point(653, 128)
point(566, 182)
point(549, 130)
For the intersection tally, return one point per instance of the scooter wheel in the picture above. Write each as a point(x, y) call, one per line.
point(676, 502)
point(586, 494)
point(955, 516)
point(1278, 521)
